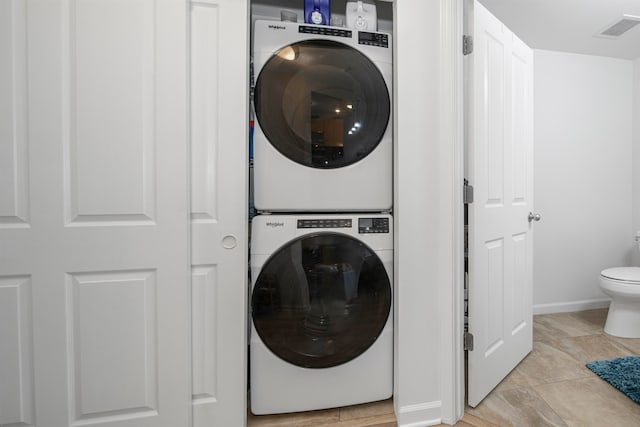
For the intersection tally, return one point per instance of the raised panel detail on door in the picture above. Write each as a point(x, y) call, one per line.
point(114, 332)
point(494, 295)
point(521, 173)
point(520, 304)
point(205, 43)
point(16, 367)
point(111, 113)
point(494, 124)
point(14, 178)
point(204, 336)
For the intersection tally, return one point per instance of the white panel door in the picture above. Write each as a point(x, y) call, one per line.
point(500, 167)
point(219, 212)
point(94, 225)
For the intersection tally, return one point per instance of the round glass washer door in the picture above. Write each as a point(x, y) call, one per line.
point(322, 104)
point(321, 300)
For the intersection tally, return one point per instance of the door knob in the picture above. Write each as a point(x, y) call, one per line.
point(534, 217)
point(229, 241)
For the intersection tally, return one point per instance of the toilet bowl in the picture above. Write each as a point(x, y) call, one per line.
point(622, 284)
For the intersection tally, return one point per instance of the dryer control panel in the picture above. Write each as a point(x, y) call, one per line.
point(365, 225)
point(373, 225)
point(364, 37)
point(324, 223)
point(325, 31)
point(373, 39)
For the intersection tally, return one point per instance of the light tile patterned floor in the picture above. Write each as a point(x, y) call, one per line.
point(551, 387)
point(377, 414)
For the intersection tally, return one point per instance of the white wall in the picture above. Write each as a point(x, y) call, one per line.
point(636, 154)
point(583, 175)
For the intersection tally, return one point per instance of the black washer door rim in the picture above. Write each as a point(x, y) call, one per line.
point(322, 104)
point(321, 300)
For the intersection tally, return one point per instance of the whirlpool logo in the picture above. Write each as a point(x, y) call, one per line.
point(277, 27)
point(274, 224)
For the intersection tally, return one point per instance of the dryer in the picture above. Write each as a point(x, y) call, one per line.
point(321, 311)
point(323, 139)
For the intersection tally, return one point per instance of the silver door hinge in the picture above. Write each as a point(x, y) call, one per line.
point(467, 193)
point(467, 45)
point(468, 341)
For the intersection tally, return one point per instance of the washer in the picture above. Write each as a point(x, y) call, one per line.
point(321, 311)
point(323, 139)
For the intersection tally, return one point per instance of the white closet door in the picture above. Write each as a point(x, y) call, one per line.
point(94, 226)
point(219, 164)
point(501, 170)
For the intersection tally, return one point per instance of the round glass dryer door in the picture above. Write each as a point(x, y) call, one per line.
point(321, 300)
point(322, 104)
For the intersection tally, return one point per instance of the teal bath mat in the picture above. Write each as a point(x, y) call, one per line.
point(623, 373)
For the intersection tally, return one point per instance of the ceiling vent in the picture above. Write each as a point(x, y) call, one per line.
point(619, 27)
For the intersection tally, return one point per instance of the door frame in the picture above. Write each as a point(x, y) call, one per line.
point(428, 178)
point(452, 139)
point(444, 400)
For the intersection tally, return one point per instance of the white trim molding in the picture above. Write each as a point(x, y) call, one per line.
point(570, 306)
point(428, 213)
point(420, 415)
point(452, 177)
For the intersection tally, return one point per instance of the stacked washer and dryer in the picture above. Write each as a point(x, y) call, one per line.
point(322, 247)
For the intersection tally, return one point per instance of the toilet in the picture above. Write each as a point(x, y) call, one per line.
point(622, 284)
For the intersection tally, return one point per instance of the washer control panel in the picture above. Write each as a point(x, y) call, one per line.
point(373, 225)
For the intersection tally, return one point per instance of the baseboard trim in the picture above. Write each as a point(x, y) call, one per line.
point(435, 422)
point(570, 306)
point(420, 415)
